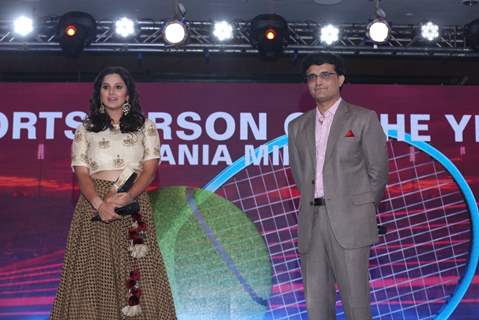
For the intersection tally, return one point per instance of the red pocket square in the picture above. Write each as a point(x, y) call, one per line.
point(349, 134)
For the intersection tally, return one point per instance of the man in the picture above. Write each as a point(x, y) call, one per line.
point(339, 161)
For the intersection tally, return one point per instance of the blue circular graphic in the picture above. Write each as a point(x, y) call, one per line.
point(460, 290)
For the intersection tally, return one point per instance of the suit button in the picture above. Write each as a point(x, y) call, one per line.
point(312, 181)
point(311, 203)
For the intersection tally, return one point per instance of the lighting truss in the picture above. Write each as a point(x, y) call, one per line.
point(303, 38)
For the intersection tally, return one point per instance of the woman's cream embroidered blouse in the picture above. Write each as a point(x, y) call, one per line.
point(113, 150)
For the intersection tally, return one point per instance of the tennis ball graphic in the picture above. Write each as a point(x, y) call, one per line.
point(217, 263)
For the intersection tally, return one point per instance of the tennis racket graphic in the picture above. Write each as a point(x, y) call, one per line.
point(420, 269)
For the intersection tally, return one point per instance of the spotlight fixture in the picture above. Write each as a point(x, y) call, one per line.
point(174, 32)
point(269, 34)
point(75, 31)
point(471, 31)
point(223, 31)
point(23, 26)
point(124, 27)
point(379, 30)
point(329, 34)
point(430, 31)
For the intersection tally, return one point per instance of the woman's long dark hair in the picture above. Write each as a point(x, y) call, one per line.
point(97, 121)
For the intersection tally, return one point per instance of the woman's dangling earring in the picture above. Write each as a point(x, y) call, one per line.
point(126, 108)
point(101, 109)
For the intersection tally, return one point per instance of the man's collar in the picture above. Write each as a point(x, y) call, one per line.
point(332, 110)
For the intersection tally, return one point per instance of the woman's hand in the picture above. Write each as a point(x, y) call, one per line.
point(119, 199)
point(107, 212)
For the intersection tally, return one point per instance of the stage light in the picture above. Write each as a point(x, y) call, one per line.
point(124, 27)
point(23, 26)
point(430, 31)
point(75, 31)
point(71, 30)
point(329, 34)
point(175, 32)
point(269, 34)
point(223, 31)
point(471, 31)
point(379, 30)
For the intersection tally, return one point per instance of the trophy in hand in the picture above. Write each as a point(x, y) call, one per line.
point(123, 184)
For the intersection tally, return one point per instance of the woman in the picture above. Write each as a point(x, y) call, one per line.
point(113, 267)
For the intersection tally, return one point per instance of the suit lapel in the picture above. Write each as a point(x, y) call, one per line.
point(337, 127)
point(308, 134)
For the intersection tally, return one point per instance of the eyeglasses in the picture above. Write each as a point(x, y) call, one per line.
point(325, 75)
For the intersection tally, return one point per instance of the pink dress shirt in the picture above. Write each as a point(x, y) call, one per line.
point(322, 128)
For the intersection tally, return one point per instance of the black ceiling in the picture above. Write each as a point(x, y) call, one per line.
point(446, 12)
